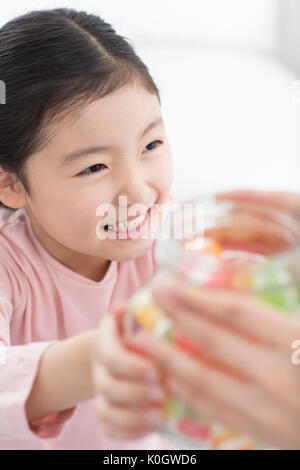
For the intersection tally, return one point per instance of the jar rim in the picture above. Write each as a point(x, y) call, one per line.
point(168, 255)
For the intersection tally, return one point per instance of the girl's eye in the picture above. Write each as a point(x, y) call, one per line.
point(94, 168)
point(159, 141)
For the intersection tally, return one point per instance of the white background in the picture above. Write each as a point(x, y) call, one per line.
point(231, 108)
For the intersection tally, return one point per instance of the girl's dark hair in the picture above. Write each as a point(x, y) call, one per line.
point(52, 62)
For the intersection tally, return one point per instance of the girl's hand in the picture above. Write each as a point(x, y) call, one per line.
point(260, 394)
point(126, 385)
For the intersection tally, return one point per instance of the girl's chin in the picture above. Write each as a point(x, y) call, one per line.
point(132, 250)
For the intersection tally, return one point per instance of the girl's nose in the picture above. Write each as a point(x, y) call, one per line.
point(136, 191)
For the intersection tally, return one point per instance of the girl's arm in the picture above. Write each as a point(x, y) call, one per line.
point(63, 379)
point(42, 382)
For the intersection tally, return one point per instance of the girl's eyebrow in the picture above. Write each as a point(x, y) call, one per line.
point(77, 154)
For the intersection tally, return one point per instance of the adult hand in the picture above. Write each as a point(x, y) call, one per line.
point(258, 390)
point(285, 200)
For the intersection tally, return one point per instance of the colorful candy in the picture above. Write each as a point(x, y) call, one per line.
point(273, 284)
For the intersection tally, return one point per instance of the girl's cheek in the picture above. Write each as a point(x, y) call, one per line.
point(167, 175)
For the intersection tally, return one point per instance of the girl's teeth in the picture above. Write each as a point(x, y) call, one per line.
point(131, 225)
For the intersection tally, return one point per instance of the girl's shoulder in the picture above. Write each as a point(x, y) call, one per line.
point(10, 271)
point(10, 217)
point(16, 249)
point(12, 228)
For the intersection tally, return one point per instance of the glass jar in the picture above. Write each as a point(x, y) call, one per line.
point(218, 244)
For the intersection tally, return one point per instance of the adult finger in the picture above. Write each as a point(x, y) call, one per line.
point(258, 231)
point(242, 312)
point(286, 200)
point(267, 429)
point(269, 367)
point(216, 379)
point(213, 411)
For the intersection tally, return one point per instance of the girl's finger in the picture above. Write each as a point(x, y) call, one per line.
point(283, 199)
point(111, 352)
point(123, 417)
point(241, 312)
point(118, 310)
point(126, 434)
point(125, 392)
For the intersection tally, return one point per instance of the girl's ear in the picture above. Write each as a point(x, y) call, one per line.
point(11, 190)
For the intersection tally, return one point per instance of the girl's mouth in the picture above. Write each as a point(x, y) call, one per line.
point(133, 230)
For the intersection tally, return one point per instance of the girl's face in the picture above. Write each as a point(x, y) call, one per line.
point(65, 193)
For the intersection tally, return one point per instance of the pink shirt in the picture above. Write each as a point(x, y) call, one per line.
point(42, 301)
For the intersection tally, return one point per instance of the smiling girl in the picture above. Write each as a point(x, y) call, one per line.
point(81, 127)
